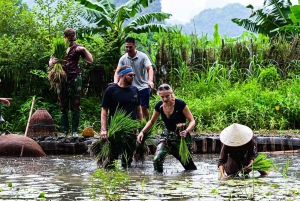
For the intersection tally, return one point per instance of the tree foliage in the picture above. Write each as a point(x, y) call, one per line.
point(273, 15)
point(16, 19)
point(109, 21)
point(54, 16)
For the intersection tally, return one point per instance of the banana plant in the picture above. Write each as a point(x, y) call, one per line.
point(112, 21)
point(267, 20)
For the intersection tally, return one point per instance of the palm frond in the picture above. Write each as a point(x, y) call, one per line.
point(150, 28)
point(278, 8)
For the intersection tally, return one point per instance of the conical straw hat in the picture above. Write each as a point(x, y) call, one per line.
point(236, 135)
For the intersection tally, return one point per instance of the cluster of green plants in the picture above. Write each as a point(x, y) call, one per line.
point(262, 101)
point(251, 79)
point(110, 183)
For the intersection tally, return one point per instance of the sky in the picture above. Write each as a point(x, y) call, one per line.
point(184, 10)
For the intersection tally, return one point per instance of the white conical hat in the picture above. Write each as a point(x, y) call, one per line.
point(236, 135)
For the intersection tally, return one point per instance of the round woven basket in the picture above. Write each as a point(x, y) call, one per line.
point(41, 124)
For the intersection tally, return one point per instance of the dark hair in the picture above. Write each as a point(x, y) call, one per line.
point(70, 34)
point(130, 40)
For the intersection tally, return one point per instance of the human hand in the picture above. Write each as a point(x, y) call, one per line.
point(52, 61)
point(151, 85)
point(140, 137)
point(250, 164)
point(183, 133)
point(103, 134)
point(224, 177)
point(5, 101)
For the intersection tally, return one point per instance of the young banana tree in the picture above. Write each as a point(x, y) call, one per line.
point(273, 15)
point(112, 22)
point(295, 17)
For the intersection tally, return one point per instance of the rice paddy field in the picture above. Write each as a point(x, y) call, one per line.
point(69, 178)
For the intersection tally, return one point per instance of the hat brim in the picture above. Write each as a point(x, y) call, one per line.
point(236, 135)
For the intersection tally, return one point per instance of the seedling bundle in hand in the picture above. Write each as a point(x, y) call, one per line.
point(57, 75)
point(184, 152)
point(262, 163)
point(120, 124)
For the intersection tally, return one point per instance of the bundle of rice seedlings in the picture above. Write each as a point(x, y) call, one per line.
point(56, 74)
point(184, 152)
point(262, 163)
point(142, 149)
point(119, 125)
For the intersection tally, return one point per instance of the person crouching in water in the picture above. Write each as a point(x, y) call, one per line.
point(238, 151)
point(173, 111)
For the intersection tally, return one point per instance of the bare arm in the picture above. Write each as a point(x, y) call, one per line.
point(150, 76)
point(5, 101)
point(116, 76)
point(187, 113)
point(222, 160)
point(87, 55)
point(139, 113)
point(104, 112)
point(149, 124)
point(222, 171)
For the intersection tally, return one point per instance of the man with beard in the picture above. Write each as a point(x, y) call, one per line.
point(122, 95)
point(142, 67)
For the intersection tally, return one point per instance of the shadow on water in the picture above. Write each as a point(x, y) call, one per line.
point(67, 178)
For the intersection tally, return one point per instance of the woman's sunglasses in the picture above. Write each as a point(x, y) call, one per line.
point(166, 87)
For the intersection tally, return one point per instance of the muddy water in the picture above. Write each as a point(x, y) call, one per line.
point(67, 178)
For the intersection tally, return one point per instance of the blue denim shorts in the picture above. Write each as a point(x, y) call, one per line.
point(144, 97)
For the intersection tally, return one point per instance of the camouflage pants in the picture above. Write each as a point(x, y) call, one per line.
point(169, 144)
point(69, 96)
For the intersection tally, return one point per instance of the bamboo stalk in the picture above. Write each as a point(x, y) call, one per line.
point(32, 104)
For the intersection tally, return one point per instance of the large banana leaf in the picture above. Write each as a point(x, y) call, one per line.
point(274, 15)
point(295, 18)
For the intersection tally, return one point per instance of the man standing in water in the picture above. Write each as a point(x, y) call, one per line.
point(143, 70)
point(126, 97)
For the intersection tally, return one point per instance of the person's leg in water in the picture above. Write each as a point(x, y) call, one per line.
point(174, 150)
point(160, 155)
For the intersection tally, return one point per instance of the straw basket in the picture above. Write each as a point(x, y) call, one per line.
point(41, 124)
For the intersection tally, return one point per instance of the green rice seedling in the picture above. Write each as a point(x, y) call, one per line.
point(184, 152)
point(56, 74)
point(120, 124)
point(283, 171)
point(262, 163)
point(142, 149)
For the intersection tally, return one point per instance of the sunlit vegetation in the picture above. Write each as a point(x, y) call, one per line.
point(252, 79)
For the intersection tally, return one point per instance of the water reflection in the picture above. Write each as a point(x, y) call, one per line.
point(67, 178)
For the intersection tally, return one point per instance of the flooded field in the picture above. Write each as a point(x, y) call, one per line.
point(68, 178)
